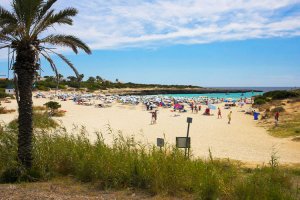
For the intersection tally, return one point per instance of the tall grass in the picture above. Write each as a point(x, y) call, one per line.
point(288, 126)
point(41, 121)
point(128, 163)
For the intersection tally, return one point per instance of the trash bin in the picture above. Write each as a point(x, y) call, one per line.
point(255, 114)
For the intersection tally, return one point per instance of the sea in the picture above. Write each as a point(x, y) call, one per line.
point(233, 95)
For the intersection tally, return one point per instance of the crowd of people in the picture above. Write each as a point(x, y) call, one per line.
point(203, 105)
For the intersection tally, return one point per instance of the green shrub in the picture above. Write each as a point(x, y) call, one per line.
point(260, 100)
point(53, 106)
point(42, 88)
point(62, 87)
point(281, 94)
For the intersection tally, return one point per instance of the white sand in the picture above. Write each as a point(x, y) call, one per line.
point(241, 140)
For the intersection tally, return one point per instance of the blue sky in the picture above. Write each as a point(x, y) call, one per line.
point(198, 42)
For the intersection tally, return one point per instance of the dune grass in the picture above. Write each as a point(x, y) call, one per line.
point(3, 110)
point(39, 108)
point(41, 120)
point(289, 127)
point(127, 163)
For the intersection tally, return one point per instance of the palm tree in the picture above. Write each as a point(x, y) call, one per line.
point(23, 30)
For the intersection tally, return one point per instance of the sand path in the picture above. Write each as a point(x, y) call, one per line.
point(242, 140)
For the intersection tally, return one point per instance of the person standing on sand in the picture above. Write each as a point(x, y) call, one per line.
point(196, 109)
point(276, 118)
point(192, 107)
point(154, 117)
point(229, 117)
point(219, 113)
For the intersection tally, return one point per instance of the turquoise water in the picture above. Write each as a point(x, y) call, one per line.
point(218, 95)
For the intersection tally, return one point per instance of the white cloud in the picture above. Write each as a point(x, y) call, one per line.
point(136, 23)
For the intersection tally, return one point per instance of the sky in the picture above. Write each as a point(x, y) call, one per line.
point(194, 42)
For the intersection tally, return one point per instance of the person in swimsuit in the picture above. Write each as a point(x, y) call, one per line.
point(229, 117)
point(219, 113)
point(154, 117)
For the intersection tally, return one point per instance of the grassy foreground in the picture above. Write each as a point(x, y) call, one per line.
point(130, 164)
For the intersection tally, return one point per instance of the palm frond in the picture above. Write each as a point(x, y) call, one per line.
point(40, 26)
point(6, 17)
point(68, 62)
point(10, 30)
point(27, 11)
point(5, 46)
point(52, 64)
point(67, 41)
point(4, 37)
point(42, 17)
point(63, 17)
point(17, 10)
point(45, 8)
point(29, 18)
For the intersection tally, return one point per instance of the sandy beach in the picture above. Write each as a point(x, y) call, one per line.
point(242, 140)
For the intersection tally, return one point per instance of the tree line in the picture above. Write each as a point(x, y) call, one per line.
point(93, 83)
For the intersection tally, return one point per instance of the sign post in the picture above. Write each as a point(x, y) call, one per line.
point(189, 120)
point(160, 142)
point(183, 142)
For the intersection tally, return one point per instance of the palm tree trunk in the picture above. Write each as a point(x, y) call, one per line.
point(25, 67)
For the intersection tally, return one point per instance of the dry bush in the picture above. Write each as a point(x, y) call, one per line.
point(262, 108)
point(59, 113)
point(3, 110)
point(39, 108)
point(278, 109)
point(295, 100)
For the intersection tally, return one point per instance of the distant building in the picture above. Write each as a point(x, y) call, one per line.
point(10, 90)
